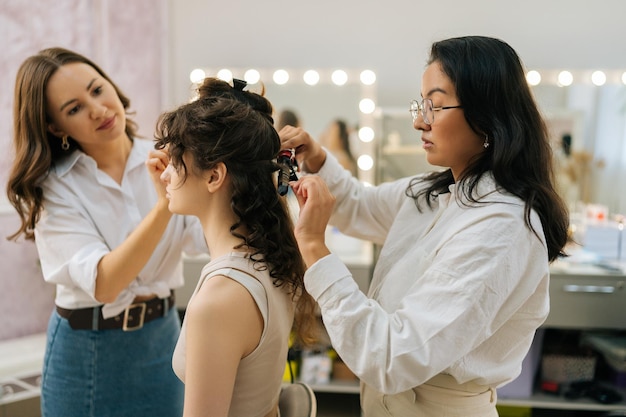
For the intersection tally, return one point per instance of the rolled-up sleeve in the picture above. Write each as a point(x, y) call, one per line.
point(69, 245)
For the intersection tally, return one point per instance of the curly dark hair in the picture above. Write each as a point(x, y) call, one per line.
point(235, 127)
point(490, 83)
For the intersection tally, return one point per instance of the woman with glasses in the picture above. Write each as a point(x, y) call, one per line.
point(461, 283)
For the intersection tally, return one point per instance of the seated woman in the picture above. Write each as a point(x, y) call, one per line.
point(232, 350)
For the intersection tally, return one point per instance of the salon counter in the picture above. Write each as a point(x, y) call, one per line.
point(21, 361)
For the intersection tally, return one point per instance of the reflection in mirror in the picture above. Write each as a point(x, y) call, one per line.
point(587, 124)
point(317, 105)
point(317, 97)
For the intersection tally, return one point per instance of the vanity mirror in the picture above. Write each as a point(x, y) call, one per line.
point(588, 129)
point(587, 126)
point(585, 120)
point(318, 97)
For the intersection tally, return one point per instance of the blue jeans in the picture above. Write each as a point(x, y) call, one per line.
point(111, 373)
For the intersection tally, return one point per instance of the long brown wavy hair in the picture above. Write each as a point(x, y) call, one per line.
point(235, 127)
point(36, 149)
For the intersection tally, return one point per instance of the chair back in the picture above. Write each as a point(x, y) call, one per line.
point(297, 400)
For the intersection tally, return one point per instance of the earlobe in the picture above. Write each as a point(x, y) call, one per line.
point(55, 131)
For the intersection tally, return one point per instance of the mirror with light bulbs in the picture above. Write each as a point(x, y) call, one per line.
point(587, 107)
point(318, 97)
point(586, 110)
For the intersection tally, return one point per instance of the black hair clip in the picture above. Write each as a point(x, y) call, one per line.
point(239, 84)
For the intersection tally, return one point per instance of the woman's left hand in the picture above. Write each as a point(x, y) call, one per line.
point(316, 205)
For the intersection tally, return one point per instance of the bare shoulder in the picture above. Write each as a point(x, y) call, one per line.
point(224, 307)
point(221, 294)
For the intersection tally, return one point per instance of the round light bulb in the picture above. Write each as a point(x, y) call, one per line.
point(598, 78)
point(339, 77)
point(365, 162)
point(368, 77)
point(311, 77)
point(197, 75)
point(565, 78)
point(533, 77)
point(280, 76)
point(225, 75)
point(367, 106)
point(366, 134)
point(252, 76)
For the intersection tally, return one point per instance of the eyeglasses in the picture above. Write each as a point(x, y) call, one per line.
point(426, 109)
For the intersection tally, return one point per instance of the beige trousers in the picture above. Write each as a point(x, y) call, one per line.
point(439, 397)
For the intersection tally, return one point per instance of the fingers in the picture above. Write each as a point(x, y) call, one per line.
point(315, 200)
point(286, 135)
point(293, 137)
point(309, 154)
point(313, 185)
point(295, 186)
point(316, 204)
point(157, 160)
point(157, 163)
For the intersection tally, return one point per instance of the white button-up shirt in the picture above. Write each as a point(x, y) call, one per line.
point(87, 214)
point(458, 289)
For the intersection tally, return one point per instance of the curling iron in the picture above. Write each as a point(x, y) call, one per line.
point(287, 171)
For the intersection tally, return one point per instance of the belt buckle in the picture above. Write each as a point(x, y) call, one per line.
point(142, 315)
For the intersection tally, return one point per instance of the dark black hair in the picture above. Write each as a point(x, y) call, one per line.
point(490, 84)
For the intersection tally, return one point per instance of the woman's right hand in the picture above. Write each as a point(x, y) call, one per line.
point(309, 154)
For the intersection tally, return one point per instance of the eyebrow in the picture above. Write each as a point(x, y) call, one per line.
point(435, 90)
point(67, 103)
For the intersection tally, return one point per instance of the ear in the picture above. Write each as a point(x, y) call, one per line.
point(52, 128)
point(216, 177)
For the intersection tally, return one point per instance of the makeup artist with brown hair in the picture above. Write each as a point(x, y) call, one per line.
point(105, 238)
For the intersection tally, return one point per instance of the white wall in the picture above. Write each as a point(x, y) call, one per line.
point(125, 39)
point(391, 37)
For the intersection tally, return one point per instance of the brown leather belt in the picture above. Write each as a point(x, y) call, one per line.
point(132, 318)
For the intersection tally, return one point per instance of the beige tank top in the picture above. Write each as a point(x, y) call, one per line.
point(259, 376)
